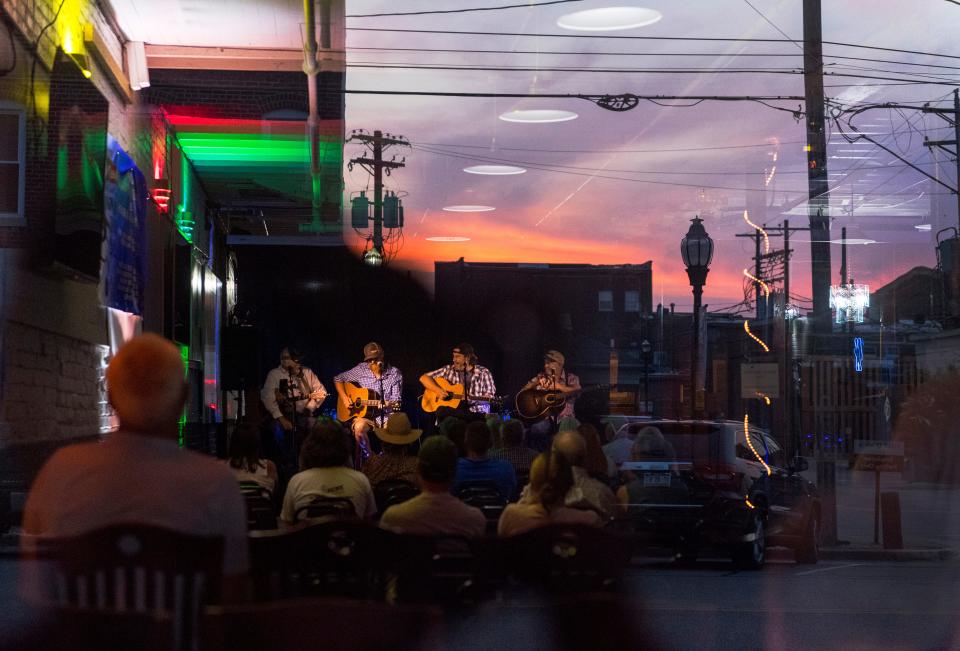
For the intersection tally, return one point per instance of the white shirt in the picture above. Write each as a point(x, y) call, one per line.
point(336, 481)
point(268, 395)
point(135, 478)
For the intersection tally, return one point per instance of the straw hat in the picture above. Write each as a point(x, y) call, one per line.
point(398, 430)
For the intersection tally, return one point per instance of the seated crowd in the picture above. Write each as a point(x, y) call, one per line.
point(140, 474)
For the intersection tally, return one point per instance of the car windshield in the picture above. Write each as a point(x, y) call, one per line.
point(680, 441)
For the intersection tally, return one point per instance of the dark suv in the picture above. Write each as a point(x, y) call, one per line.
point(696, 484)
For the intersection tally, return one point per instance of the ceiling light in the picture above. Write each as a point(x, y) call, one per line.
point(468, 208)
point(923, 227)
point(538, 116)
point(608, 19)
point(448, 238)
point(494, 170)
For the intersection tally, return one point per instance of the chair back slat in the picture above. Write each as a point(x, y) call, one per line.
point(139, 568)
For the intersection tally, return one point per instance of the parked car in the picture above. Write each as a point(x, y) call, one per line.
point(711, 484)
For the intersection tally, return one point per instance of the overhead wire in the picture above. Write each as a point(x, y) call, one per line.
point(525, 5)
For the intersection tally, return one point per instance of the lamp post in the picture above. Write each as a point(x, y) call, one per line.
point(696, 248)
point(645, 349)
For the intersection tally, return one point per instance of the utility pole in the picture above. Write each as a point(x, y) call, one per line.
point(375, 165)
point(942, 144)
point(818, 206)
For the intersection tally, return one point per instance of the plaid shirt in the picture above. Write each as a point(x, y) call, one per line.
point(392, 383)
point(478, 382)
point(566, 379)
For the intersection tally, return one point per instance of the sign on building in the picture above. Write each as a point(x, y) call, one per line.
point(878, 456)
point(758, 380)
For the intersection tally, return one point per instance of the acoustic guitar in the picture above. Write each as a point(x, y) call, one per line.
point(432, 400)
point(362, 401)
point(535, 404)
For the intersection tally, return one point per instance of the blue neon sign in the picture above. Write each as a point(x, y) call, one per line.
point(858, 354)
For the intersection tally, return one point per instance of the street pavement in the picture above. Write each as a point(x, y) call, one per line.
point(831, 605)
point(930, 512)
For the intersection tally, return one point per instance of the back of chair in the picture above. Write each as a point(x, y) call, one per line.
point(337, 557)
point(139, 568)
point(445, 570)
point(320, 507)
point(567, 558)
point(393, 491)
point(486, 496)
point(69, 628)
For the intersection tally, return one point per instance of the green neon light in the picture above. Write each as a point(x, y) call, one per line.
point(185, 356)
point(184, 216)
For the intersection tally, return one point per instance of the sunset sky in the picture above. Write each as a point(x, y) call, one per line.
point(622, 187)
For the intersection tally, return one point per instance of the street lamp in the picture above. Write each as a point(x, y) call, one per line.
point(645, 349)
point(696, 248)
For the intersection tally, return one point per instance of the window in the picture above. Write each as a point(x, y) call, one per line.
point(631, 301)
point(605, 297)
point(13, 130)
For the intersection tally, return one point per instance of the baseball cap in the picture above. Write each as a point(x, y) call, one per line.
point(554, 356)
point(371, 351)
point(437, 459)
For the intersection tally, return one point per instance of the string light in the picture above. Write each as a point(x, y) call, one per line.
point(766, 288)
point(746, 328)
point(746, 435)
point(766, 238)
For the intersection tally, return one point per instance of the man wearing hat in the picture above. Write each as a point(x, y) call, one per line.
point(477, 382)
point(553, 377)
point(373, 374)
point(435, 511)
point(394, 462)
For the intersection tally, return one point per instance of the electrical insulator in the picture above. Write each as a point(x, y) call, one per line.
point(391, 211)
point(360, 211)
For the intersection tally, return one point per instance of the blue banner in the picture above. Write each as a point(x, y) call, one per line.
point(122, 266)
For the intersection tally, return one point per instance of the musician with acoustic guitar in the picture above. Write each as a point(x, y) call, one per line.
point(553, 378)
point(463, 388)
point(368, 393)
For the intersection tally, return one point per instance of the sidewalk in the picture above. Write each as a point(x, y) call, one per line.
point(930, 517)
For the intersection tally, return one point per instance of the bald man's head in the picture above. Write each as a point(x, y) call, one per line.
point(146, 385)
point(572, 446)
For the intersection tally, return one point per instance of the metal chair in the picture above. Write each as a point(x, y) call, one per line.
point(138, 568)
point(337, 557)
point(393, 491)
point(485, 496)
point(329, 507)
point(261, 513)
point(565, 558)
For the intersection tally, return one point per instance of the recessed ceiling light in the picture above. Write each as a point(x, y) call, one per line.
point(923, 227)
point(608, 19)
point(494, 170)
point(538, 116)
point(855, 240)
point(448, 238)
point(468, 208)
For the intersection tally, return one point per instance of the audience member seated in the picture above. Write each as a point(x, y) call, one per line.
point(550, 480)
point(618, 450)
point(650, 445)
point(478, 467)
point(245, 461)
point(599, 465)
point(395, 461)
point(455, 429)
point(435, 511)
point(323, 457)
point(513, 449)
point(139, 474)
point(586, 492)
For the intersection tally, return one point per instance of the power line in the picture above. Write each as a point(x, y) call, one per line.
point(712, 39)
point(613, 151)
point(643, 54)
point(525, 5)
